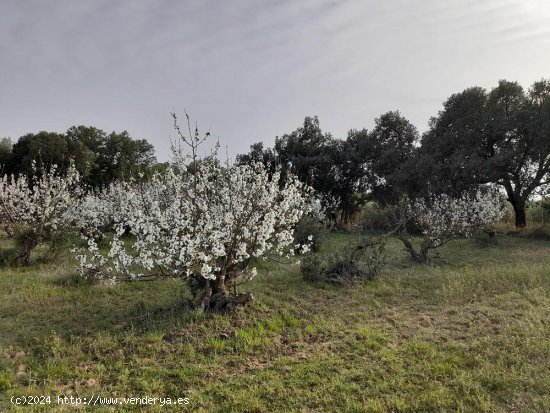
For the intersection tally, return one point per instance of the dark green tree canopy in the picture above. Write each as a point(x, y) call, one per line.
point(46, 148)
point(499, 137)
point(309, 151)
point(5, 152)
point(257, 153)
point(98, 156)
point(120, 157)
point(386, 149)
point(331, 166)
point(453, 151)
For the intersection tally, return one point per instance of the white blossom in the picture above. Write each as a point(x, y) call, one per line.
point(207, 219)
point(444, 217)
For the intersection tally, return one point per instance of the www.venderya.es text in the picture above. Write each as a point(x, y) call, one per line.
point(99, 400)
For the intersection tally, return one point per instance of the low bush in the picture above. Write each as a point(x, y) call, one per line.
point(485, 237)
point(310, 231)
point(359, 262)
point(375, 218)
point(312, 268)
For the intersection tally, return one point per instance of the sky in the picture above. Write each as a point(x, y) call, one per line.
point(250, 70)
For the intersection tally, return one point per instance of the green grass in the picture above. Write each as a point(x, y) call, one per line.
point(468, 332)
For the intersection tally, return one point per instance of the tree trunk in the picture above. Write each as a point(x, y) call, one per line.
point(419, 257)
point(215, 296)
point(9, 231)
point(24, 245)
point(424, 248)
point(519, 211)
point(517, 201)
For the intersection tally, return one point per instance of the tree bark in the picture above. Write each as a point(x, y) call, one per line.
point(518, 202)
point(519, 211)
point(424, 248)
point(419, 257)
point(215, 296)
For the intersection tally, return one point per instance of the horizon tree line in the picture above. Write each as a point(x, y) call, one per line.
point(499, 137)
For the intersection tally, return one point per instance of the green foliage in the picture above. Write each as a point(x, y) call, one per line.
point(377, 218)
point(362, 260)
point(499, 136)
point(386, 150)
point(308, 148)
point(308, 227)
point(5, 152)
point(374, 259)
point(331, 166)
point(5, 382)
point(47, 148)
point(44, 245)
point(349, 178)
point(538, 212)
point(8, 256)
point(26, 239)
point(99, 157)
point(196, 284)
point(485, 238)
point(121, 157)
point(258, 154)
point(537, 233)
point(312, 268)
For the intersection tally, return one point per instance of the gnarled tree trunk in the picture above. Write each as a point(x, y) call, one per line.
point(215, 296)
point(420, 256)
point(518, 203)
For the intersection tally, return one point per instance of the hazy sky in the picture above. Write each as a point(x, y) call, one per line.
point(251, 70)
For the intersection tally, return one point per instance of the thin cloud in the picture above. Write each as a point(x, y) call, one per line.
point(252, 70)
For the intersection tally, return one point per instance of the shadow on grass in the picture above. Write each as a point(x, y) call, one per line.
point(39, 303)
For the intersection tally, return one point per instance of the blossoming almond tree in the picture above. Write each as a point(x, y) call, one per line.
point(202, 221)
point(38, 210)
point(99, 210)
point(444, 218)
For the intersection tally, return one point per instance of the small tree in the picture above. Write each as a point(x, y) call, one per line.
point(38, 210)
point(444, 218)
point(204, 222)
point(99, 211)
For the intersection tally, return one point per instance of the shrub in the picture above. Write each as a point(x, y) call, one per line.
point(8, 256)
point(376, 218)
point(538, 213)
point(312, 268)
point(485, 238)
point(311, 231)
point(540, 233)
point(362, 261)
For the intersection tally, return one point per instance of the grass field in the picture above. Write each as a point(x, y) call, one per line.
point(469, 332)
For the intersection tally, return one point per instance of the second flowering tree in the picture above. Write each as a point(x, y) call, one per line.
point(38, 210)
point(443, 218)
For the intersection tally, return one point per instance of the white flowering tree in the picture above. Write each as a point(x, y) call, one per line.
point(203, 221)
point(38, 210)
point(444, 218)
point(99, 210)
